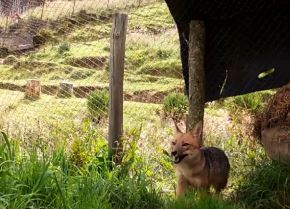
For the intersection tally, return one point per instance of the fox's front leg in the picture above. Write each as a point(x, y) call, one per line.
point(182, 185)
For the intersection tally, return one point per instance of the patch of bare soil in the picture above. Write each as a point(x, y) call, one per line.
point(145, 96)
point(12, 87)
point(83, 92)
point(88, 62)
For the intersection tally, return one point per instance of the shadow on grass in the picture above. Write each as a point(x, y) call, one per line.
point(266, 187)
point(201, 201)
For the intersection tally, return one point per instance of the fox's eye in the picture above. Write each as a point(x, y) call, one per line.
point(173, 143)
point(185, 144)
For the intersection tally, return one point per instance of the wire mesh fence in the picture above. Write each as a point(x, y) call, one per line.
point(54, 81)
point(54, 72)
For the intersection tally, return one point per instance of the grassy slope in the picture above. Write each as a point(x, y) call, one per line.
point(77, 176)
point(152, 54)
point(62, 123)
point(152, 175)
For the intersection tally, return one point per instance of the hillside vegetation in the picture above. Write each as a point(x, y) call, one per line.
point(54, 153)
point(77, 49)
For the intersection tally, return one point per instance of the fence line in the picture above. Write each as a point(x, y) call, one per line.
point(69, 53)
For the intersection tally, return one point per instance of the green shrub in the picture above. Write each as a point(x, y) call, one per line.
point(64, 47)
point(45, 35)
point(253, 102)
point(175, 105)
point(78, 155)
point(10, 60)
point(28, 180)
point(98, 104)
point(81, 74)
point(266, 187)
point(166, 67)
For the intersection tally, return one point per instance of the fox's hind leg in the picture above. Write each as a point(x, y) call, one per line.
point(220, 186)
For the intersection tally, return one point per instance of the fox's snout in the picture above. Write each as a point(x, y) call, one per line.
point(174, 153)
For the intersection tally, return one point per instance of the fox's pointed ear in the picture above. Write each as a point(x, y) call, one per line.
point(197, 131)
point(177, 129)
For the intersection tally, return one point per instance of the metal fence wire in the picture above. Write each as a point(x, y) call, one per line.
point(55, 100)
point(54, 67)
point(54, 71)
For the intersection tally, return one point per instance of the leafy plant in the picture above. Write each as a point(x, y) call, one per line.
point(78, 155)
point(64, 47)
point(200, 201)
point(10, 60)
point(31, 181)
point(253, 102)
point(266, 187)
point(175, 105)
point(45, 35)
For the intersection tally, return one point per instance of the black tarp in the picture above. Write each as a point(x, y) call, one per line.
point(243, 39)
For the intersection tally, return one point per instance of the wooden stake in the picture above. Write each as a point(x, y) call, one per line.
point(74, 5)
point(117, 62)
point(66, 90)
point(42, 10)
point(196, 73)
point(33, 89)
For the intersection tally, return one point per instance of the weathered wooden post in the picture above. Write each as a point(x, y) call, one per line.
point(33, 89)
point(117, 62)
point(196, 73)
point(6, 23)
point(42, 10)
point(73, 10)
point(65, 89)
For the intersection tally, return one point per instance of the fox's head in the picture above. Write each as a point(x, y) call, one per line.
point(186, 144)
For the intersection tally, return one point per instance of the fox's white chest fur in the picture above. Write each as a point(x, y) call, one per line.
point(191, 173)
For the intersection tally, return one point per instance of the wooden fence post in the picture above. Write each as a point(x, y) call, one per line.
point(73, 10)
point(196, 73)
point(33, 89)
point(65, 89)
point(117, 62)
point(42, 10)
point(6, 23)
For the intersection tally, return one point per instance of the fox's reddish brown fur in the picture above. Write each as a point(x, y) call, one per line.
point(198, 167)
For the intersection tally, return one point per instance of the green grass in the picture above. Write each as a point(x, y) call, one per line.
point(193, 200)
point(62, 8)
point(253, 102)
point(91, 32)
point(98, 104)
point(175, 105)
point(47, 118)
point(57, 182)
point(159, 72)
point(50, 52)
point(169, 67)
point(154, 18)
point(53, 118)
point(266, 186)
point(80, 175)
point(61, 161)
point(55, 157)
